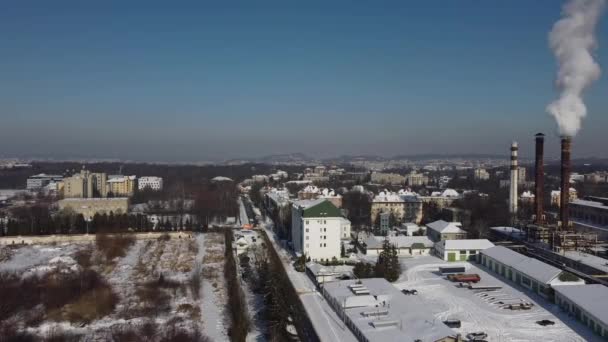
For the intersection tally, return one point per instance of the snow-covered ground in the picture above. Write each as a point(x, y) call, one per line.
point(176, 259)
point(478, 313)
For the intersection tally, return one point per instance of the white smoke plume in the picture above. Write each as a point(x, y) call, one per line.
point(573, 42)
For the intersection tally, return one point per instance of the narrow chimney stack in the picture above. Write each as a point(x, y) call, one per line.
point(565, 186)
point(539, 179)
point(513, 186)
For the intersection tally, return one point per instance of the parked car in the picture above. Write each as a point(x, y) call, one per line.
point(477, 336)
point(545, 322)
point(452, 323)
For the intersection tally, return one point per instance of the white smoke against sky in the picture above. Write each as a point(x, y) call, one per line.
point(573, 42)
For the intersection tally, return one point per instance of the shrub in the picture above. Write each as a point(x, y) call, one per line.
point(113, 246)
point(164, 237)
point(567, 276)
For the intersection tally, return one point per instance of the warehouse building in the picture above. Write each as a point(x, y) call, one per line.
point(375, 310)
point(527, 272)
point(587, 303)
point(461, 250)
point(406, 245)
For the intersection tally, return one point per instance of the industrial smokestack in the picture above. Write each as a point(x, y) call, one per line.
point(513, 187)
point(539, 179)
point(565, 191)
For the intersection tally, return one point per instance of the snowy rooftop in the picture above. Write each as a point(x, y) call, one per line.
point(221, 179)
point(527, 194)
point(320, 270)
point(587, 203)
point(474, 244)
point(592, 298)
point(401, 196)
point(380, 312)
point(444, 227)
point(375, 242)
point(121, 179)
point(588, 259)
point(509, 231)
point(304, 204)
point(533, 268)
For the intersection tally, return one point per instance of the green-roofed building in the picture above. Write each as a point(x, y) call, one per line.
point(317, 228)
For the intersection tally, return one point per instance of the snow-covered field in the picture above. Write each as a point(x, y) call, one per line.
point(478, 313)
point(153, 282)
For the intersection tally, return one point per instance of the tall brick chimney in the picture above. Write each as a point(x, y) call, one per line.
point(539, 179)
point(565, 184)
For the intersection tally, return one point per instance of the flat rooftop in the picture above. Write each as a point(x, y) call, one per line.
point(380, 312)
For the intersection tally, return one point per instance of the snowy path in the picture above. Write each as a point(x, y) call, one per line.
point(211, 306)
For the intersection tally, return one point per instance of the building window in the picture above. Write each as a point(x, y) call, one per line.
point(324, 245)
point(306, 245)
point(324, 222)
point(307, 230)
point(307, 223)
point(307, 237)
point(320, 245)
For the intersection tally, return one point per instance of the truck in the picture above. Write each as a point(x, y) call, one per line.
point(451, 269)
point(464, 278)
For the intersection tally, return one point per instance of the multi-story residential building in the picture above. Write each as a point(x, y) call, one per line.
point(153, 183)
point(521, 175)
point(387, 178)
point(309, 192)
point(443, 198)
point(41, 180)
point(85, 184)
point(556, 196)
point(481, 174)
point(317, 228)
point(442, 230)
point(122, 185)
point(597, 177)
point(416, 179)
point(330, 195)
point(405, 206)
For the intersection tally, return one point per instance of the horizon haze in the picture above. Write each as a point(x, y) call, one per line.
point(149, 81)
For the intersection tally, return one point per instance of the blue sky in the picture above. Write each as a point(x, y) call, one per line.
point(189, 81)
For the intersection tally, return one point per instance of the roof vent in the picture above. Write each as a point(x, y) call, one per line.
point(384, 324)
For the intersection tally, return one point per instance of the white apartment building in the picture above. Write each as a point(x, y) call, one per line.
point(317, 226)
point(481, 174)
point(154, 183)
point(41, 180)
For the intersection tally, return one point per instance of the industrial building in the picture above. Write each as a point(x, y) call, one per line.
point(375, 310)
point(527, 272)
point(461, 250)
point(587, 303)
